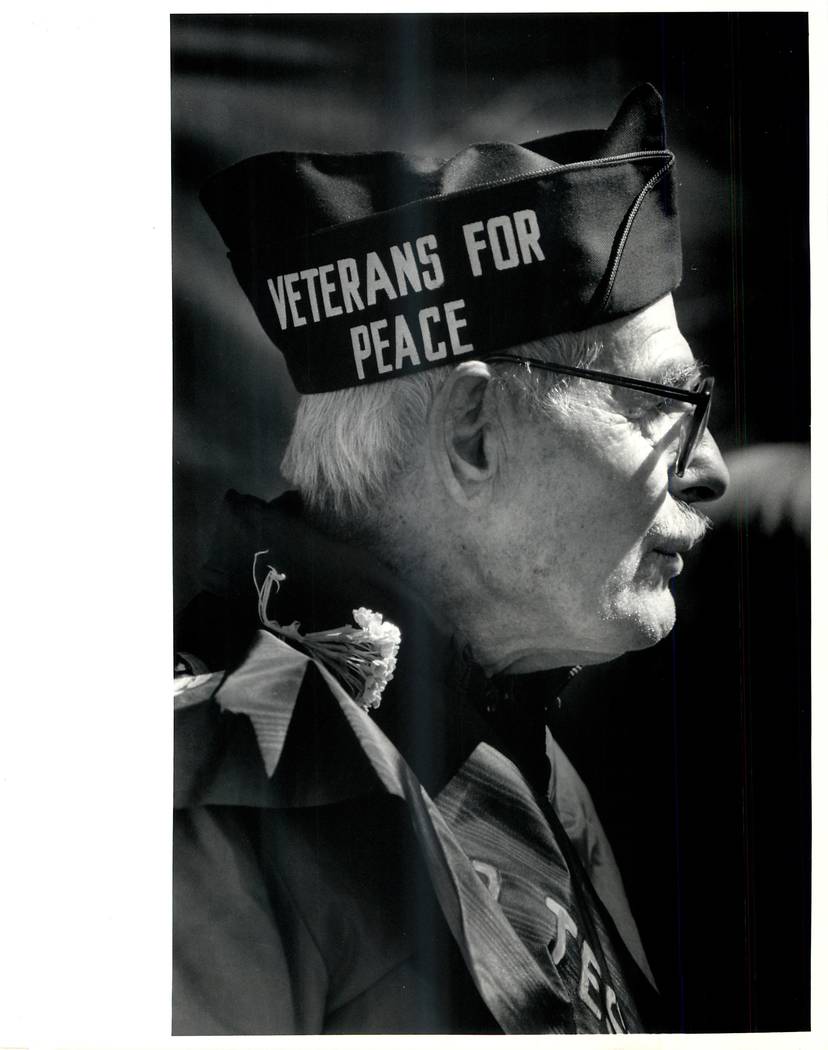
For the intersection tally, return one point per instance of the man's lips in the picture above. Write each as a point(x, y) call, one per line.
point(673, 548)
point(670, 560)
point(669, 546)
point(669, 552)
point(673, 545)
point(673, 556)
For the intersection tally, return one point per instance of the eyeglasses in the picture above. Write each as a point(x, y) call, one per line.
point(701, 397)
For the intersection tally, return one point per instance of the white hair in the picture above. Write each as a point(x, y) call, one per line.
point(348, 445)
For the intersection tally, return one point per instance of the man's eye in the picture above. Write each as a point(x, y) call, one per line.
point(644, 407)
point(670, 406)
point(654, 409)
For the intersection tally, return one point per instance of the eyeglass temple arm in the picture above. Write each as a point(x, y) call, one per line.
point(680, 394)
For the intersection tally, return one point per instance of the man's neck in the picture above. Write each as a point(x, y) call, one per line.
point(446, 575)
point(447, 572)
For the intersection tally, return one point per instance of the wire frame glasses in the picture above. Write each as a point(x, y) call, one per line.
point(700, 397)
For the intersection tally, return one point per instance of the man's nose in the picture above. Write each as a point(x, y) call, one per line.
point(705, 477)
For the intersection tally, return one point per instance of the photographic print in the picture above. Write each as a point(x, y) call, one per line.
point(491, 523)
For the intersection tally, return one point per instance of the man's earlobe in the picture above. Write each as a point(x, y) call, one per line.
point(463, 432)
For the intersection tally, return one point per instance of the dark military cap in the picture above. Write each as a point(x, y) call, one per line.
point(362, 267)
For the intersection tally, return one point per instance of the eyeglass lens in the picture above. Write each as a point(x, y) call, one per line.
point(695, 427)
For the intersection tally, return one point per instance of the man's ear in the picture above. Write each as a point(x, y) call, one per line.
point(464, 435)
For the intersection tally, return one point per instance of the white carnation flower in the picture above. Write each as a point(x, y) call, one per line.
point(363, 658)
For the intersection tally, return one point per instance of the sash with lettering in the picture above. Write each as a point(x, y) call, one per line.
point(519, 849)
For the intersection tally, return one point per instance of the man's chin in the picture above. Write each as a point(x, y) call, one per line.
point(650, 630)
point(630, 631)
point(638, 621)
point(644, 622)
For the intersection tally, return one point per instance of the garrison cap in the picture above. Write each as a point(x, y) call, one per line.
point(363, 267)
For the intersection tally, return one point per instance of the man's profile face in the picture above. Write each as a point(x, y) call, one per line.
point(598, 520)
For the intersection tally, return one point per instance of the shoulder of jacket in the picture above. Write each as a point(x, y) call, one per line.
point(276, 732)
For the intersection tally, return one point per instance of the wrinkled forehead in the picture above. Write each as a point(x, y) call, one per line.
point(647, 344)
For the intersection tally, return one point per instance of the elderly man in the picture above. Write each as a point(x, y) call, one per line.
point(498, 454)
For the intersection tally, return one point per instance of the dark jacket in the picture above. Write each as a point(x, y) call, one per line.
point(434, 866)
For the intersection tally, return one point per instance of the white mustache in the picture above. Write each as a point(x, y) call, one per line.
point(687, 528)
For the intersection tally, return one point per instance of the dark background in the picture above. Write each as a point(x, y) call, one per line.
point(697, 752)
